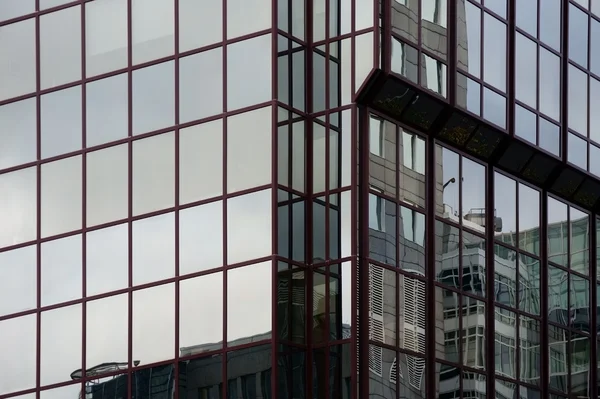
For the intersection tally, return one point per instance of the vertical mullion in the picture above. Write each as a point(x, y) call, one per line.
point(564, 130)
point(39, 200)
point(593, 367)
point(430, 327)
point(130, 195)
point(544, 340)
point(490, 277)
point(177, 200)
point(225, 204)
point(83, 195)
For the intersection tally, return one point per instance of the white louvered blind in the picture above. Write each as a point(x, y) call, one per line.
point(376, 328)
point(414, 327)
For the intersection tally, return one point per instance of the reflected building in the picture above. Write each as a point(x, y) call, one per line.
point(299, 199)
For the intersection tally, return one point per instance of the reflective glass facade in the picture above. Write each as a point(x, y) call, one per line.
point(392, 199)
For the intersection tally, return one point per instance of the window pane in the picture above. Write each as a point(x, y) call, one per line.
point(152, 29)
point(249, 149)
point(153, 249)
point(61, 270)
point(201, 85)
point(15, 8)
point(526, 70)
point(107, 185)
point(494, 52)
point(154, 324)
point(107, 342)
point(247, 16)
point(105, 36)
point(18, 281)
point(60, 47)
point(18, 210)
point(60, 344)
point(550, 90)
point(153, 98)
point(18, 140)
point(17, 64)
point(249, 226)
point(153, 173)
point(251, 316)
point(578, 96)
point(578, 36)
point(61, 196)
point(106, 110)
point(201, 161)
point(201, 299)
point(199, 23)
point(61, 122)
point(107, 259)
point(18, 347)
point(201, 238)
point(249, 78)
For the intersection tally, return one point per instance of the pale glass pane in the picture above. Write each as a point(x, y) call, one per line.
point(153, 29)
point(61, 196)
point(18, 347)
point(247, 16)
point(201, 85)
point(17, 63)
point(252, 315)
point(153, 173)
point(60, 47)
point(107, 185)
point(200, 161)
point(105, 36)
point(199, 23)
point(249, 78)
point(249, 149)
point(61, 270)
point(61, 122)
point(18, 139)
point(18, 209)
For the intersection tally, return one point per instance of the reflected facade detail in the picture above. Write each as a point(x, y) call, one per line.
point(196, 200)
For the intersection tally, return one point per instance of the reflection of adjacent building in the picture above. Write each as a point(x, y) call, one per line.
point(248, 374)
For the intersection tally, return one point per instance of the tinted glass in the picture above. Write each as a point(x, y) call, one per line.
point(17, 65)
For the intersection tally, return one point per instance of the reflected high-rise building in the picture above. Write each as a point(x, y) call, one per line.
point(299, 199)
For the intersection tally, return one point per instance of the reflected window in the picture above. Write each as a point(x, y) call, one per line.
point(61, 122)
point(107, 259)
point(414, 152)
point(376, 134)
